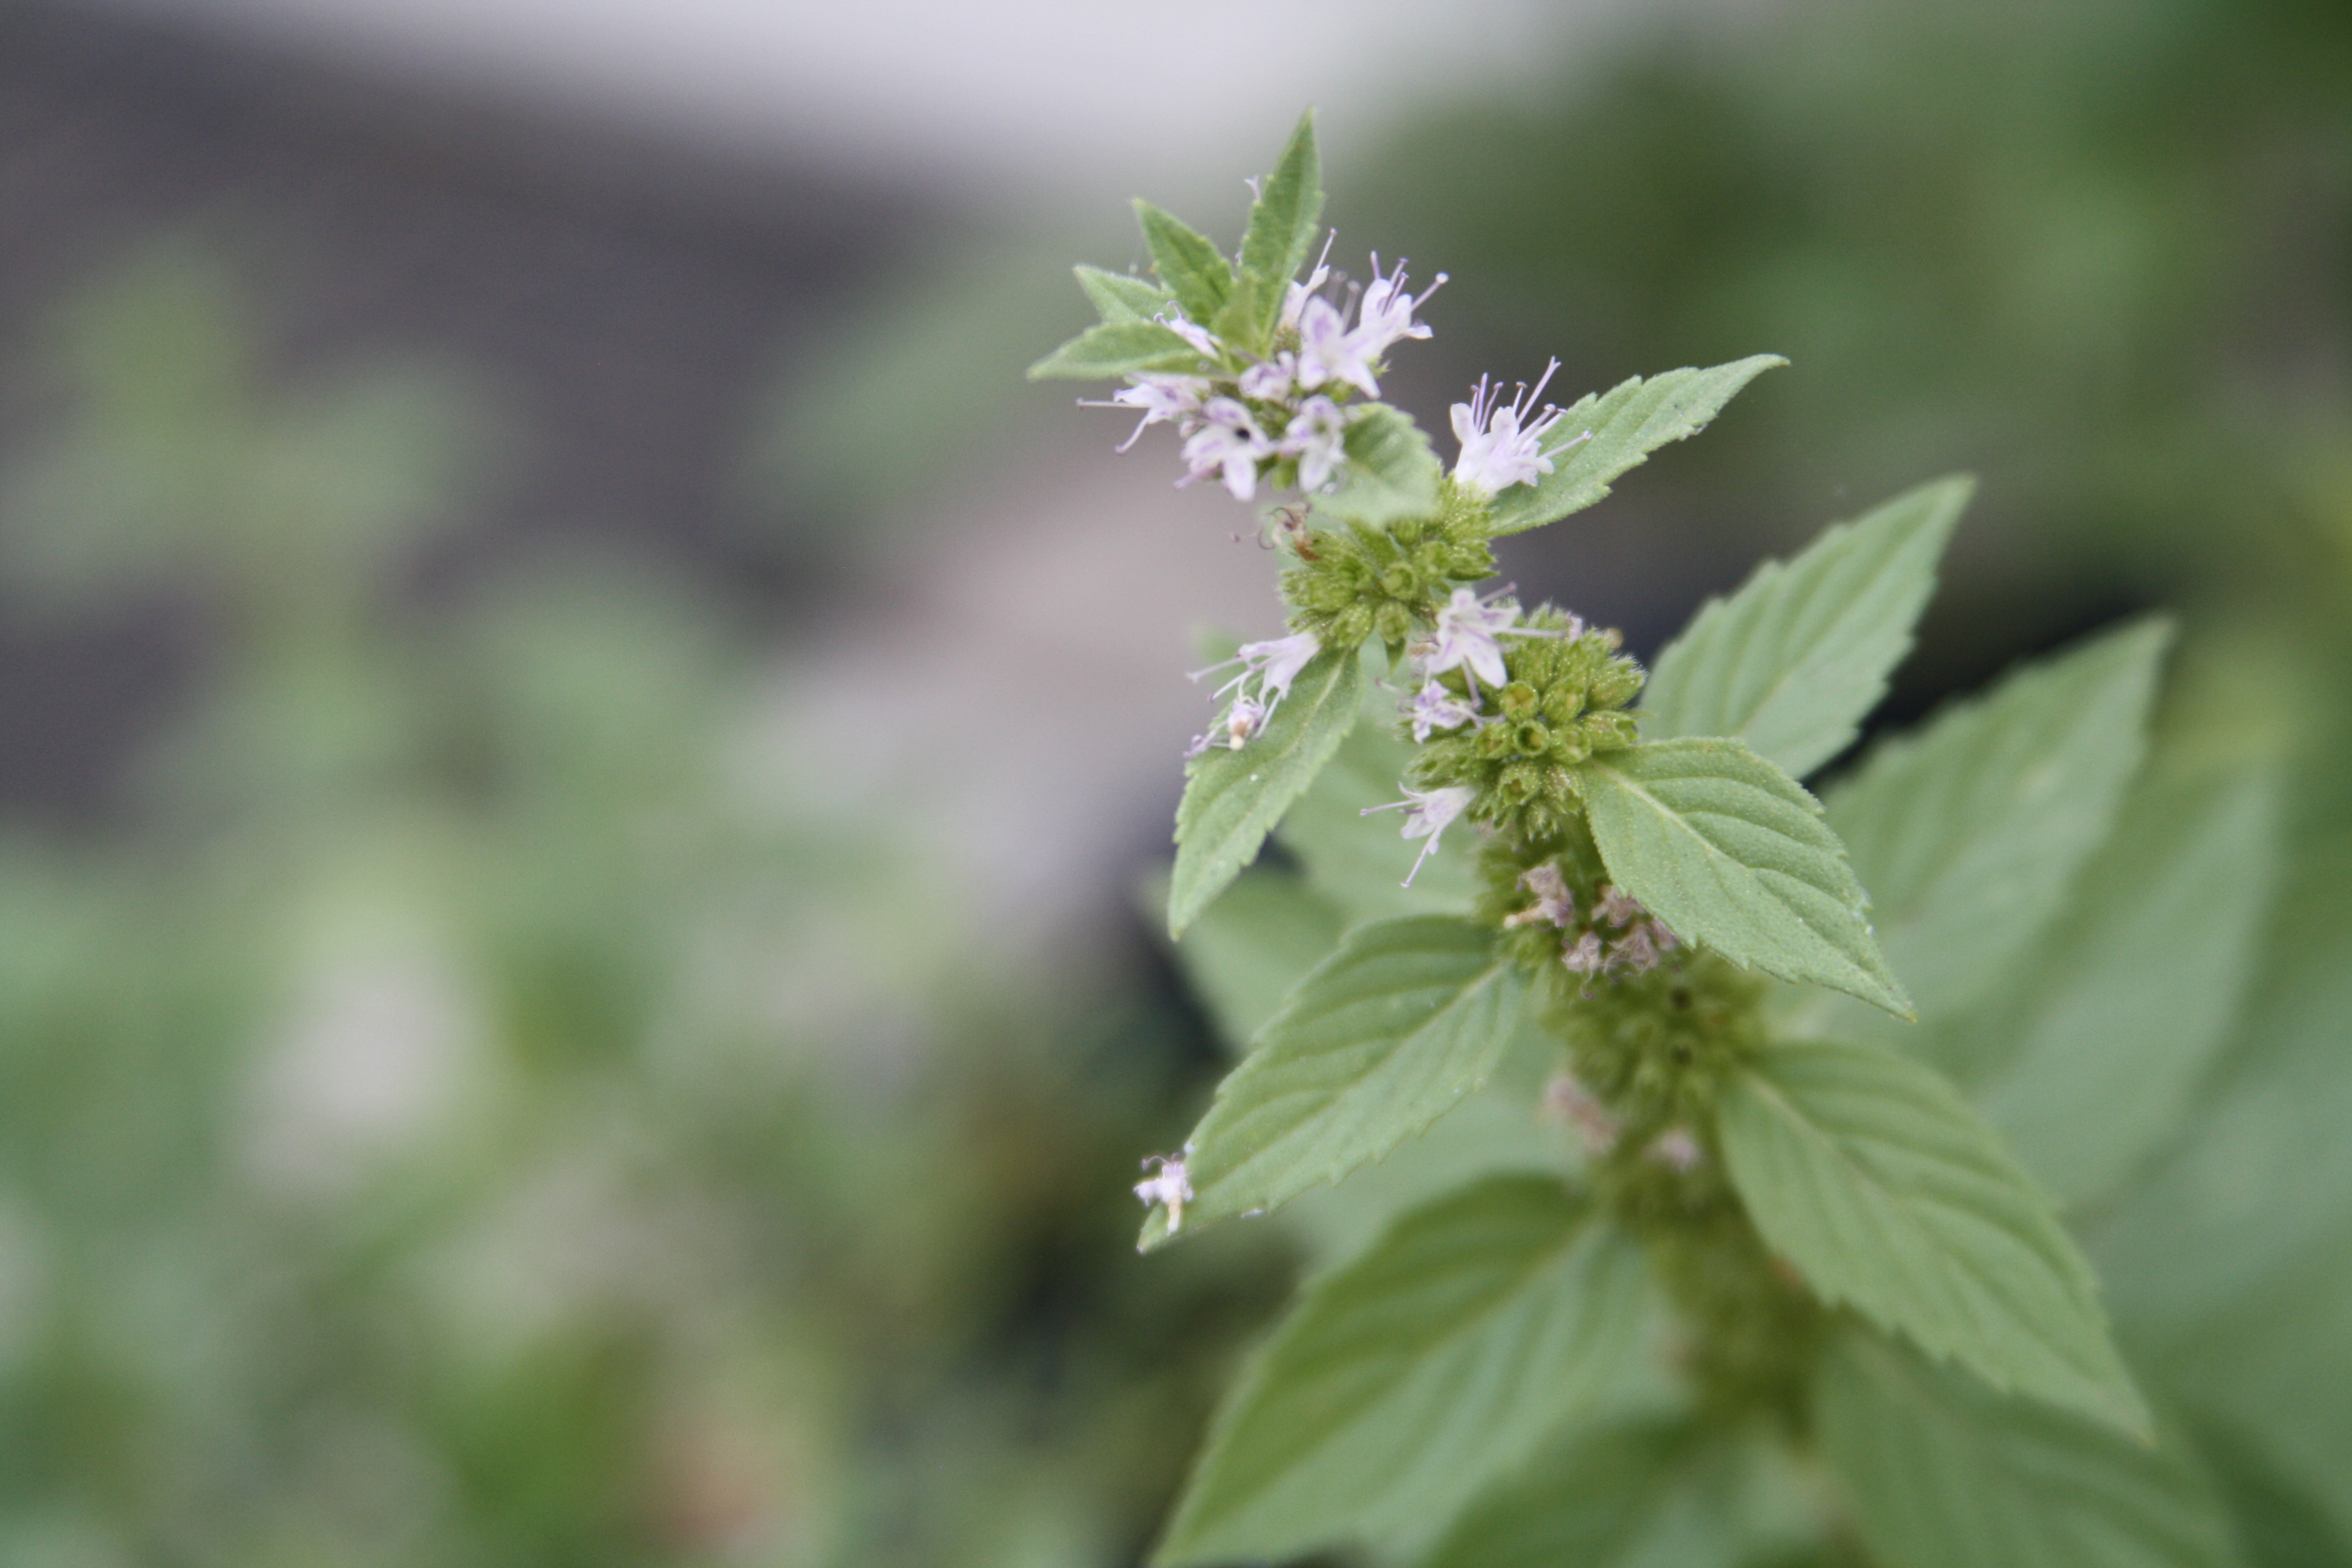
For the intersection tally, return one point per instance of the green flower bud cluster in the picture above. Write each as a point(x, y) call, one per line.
point(1357, 582)
point(1656, 1048)
point(1565, 702)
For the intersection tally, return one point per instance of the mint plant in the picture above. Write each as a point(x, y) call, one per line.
point(1787, 1281)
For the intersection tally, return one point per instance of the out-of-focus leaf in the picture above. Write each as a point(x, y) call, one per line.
point(1969, 835)
point(1942, 1473)
point(1234, 798)
point(1194, 270)
point(1409, 1379)
point(1868, 1172)
point(1387, 1034)
point(1120, 297)
point(1731, 852)
point(1627, 423)
point(1115, 348)
point(2088, 1060)
point(1795, 660)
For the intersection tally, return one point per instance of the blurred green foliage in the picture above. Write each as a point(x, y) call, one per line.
point(465, 1108)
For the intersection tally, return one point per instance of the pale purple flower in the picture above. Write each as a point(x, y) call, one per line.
point(1432, 812)
point(1565, 1097)
point(1160, 397)
point(1327, 352)
point(1554, 905)
point(1317, 437)
point(1583, 956)
point(1273, 665)
point(1167, 1185)
point(1385, 314)
point(1616, 907)
point(1203, 340)
point(1435, 708)
point(1500, 446)
point(1269, 381)
point(1294, 301)
point(1228, 440)
point(1469, 633)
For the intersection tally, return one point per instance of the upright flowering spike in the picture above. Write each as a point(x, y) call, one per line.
point(1432, 812)
point(1500, 446)
point(1230, 442)
point(1316, 438)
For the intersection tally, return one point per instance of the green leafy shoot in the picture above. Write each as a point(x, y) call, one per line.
point(1234, 798)
point(1627, 423)
point(1413, 1377)
point(1731, 853)
point(1871, 1175)
point(1385, 1037)
point(1794, 662)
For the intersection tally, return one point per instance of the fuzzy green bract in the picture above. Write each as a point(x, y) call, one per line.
point(1627, 423)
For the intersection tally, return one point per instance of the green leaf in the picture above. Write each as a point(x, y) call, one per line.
point(1627, 423)
point(1382, 1039)
point(1869, 1174)
point(1731, 852)
point(1392, 472)
point(1606, 1497)
point(1115, 348)
point(1120, 297)
point(1944, 1474)
point(1794, 662)
point(1194, 270)
point(1251, 947)
point(1282, 224)
point(1969, 835)
point(1232, 799)
point(1408, 1379)
point(2087, 1060)
point(1358, 862)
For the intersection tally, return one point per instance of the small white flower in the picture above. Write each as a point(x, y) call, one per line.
point(1228, 440)
point(1317, 437)
point(1435, 708)
point(1167, 1185)
point(1200, 337)
point(1583, 956)
point(1273, 665)
point(1500, 446)
point(1677, 1150)
point(1277, 661)
point(1386, 313)
point(1469, 633)
point(1295, 301)
point(1269, 381)
point(1327, 352)
point(1432, 812)
point(1160, 397)
point(1554, 905)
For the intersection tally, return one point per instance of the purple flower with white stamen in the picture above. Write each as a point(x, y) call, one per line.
point(1317, 437)
point(1161, 398)
point(1501, 447)
point(1228, 440)
point(1435, 708)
